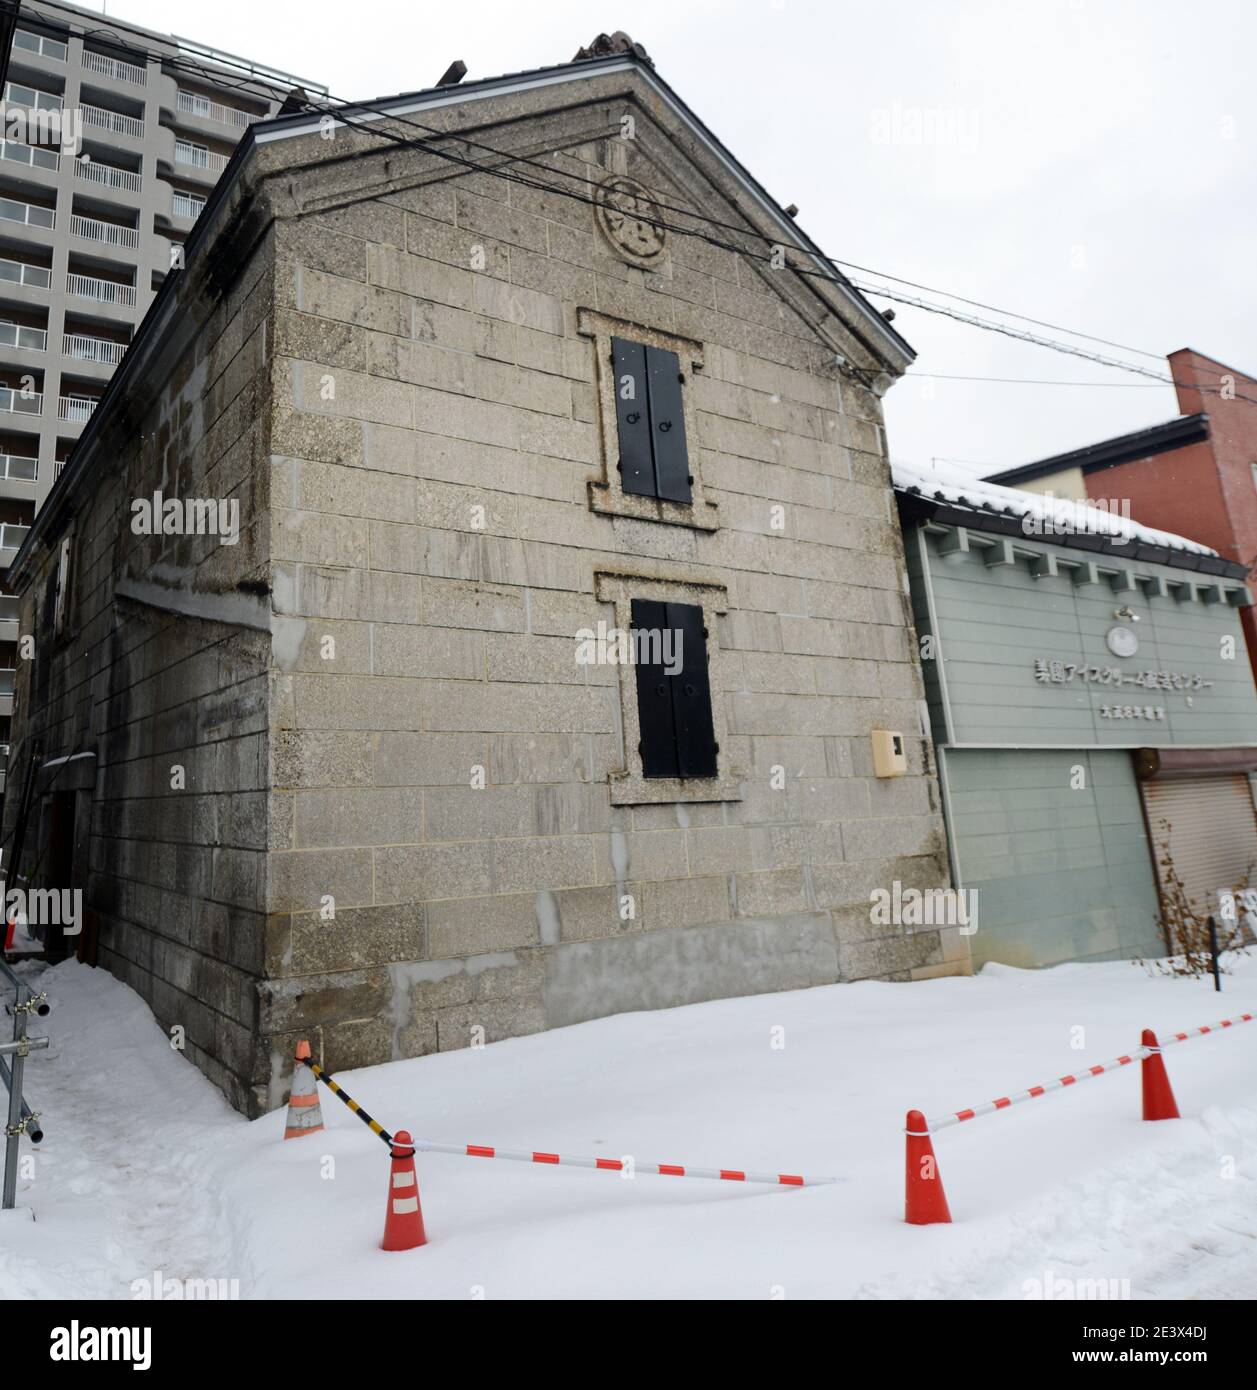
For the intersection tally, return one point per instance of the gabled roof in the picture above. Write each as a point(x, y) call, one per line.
point(882, 337)
point(864, 321)
point(1124, 448)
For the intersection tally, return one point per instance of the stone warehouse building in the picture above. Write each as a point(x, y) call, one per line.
point(348, 777)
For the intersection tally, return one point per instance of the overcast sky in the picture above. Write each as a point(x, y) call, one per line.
point(1085, 162)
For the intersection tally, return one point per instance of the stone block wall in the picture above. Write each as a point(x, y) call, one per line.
point(409, 818)
point(450, 858)
point(151, 704)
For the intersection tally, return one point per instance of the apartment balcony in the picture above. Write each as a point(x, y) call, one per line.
point(18, 474)
point(82, 347)
point(193, 104)
point(198, 157)
point(11, 537)
point(28, 214)
point(103, 233)
point(186, 205)
point(9, 614)
point(35, 277)
point(8, 678)
point(102, 291)
point(32, 156)
point(18, 335)
point(98, 118)
point(115, 69)
point(109, 176)
point(23, 94)
point(17, 468)
point(39, 46)
point(76, 410)
point(197, 162)
point(21, 402)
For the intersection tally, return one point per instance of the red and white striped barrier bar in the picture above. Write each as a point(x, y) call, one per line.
point(959, 1116)
point(1209, 1028)
point(924, 1201)
point(618, 1165)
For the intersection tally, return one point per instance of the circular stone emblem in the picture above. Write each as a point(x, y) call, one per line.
point(630, 218)
point(1122, 641)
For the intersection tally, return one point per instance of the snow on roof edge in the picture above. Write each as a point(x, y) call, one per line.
point(947, 484)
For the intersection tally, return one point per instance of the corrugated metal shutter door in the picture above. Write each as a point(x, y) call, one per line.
point(1213, 830)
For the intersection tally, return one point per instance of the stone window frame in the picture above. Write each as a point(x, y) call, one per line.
point(605, 493)
point(629, 787)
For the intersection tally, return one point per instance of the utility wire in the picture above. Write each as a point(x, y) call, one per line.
point(337, 109)
point(770, 259)
point(1036, 381)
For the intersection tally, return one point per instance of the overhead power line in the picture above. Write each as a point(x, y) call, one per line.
point(1037, 381)
point(338, 109)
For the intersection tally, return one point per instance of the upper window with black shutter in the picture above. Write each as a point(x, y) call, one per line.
point(648, 422)
point(650, 418)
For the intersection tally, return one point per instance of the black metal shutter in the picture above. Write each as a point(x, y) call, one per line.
point(691, 694)
point(667, 425)
point(658, 745)
point(632, 414)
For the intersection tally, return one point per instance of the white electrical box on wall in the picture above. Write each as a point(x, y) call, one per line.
point(889, 756)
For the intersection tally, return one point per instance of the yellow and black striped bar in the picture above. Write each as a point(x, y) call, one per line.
point(373, 1125)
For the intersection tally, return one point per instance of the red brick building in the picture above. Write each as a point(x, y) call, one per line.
point(1195, 475)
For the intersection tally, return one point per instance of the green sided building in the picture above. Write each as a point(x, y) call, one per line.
point(1091, 703)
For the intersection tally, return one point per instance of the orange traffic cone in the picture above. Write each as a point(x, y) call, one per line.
point(403, 1218)
point(1159, 1103)
point(304, 1113)
point(925, 1202)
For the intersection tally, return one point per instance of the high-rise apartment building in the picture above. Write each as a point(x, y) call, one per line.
point(113, 137)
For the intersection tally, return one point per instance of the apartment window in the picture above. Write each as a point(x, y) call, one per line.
point(648, 422)
point(673, 690)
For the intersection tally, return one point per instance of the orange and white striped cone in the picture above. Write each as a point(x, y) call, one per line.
point(304, 1113)
point(403, 1218)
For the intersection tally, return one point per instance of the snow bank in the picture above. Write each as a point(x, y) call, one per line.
point(145, 1167)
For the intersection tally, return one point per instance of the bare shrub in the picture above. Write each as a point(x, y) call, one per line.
point(1184, 921)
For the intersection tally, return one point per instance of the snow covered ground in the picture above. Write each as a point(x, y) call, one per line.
point(146, 1168)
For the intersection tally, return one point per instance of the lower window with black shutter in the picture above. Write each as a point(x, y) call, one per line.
point(673, 690)
point(673, 701)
